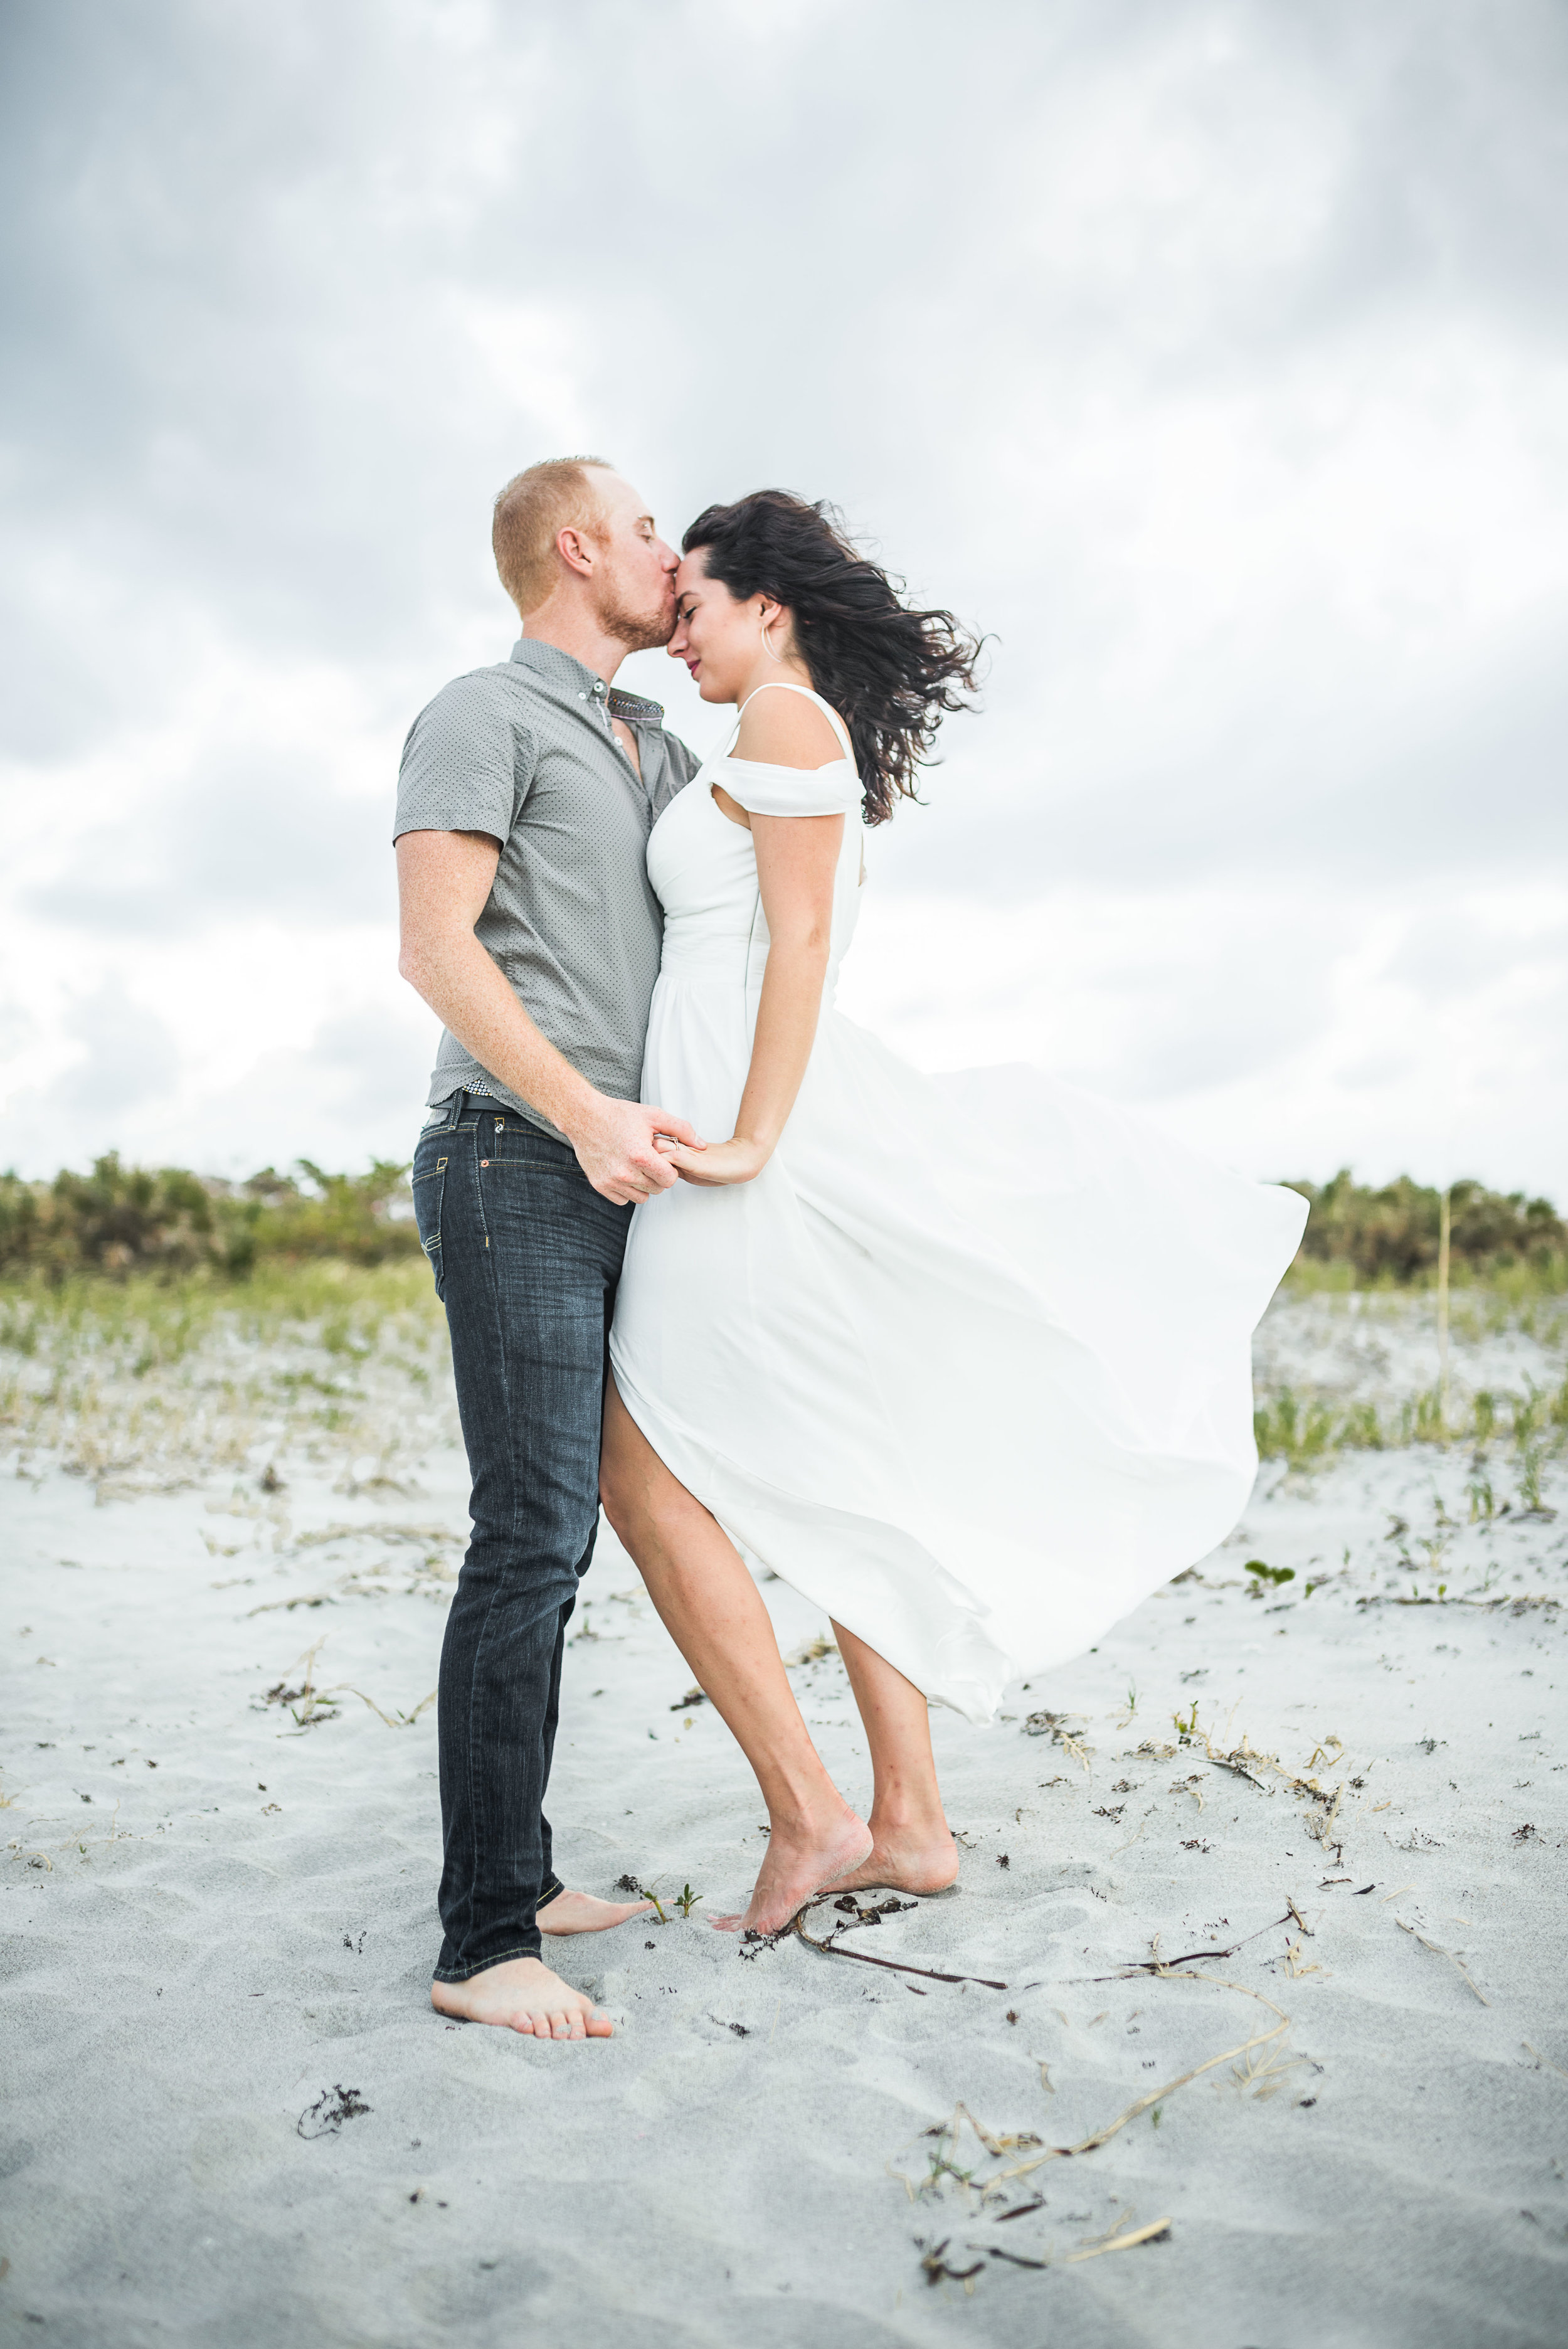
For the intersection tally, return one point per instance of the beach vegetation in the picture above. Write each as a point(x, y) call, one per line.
point(640, 1891)
point(1307, 1431)
point(1362, 1235)
point(1530, 1459)
point(118, 1220)
point(155, 1324)
point(139, 1382)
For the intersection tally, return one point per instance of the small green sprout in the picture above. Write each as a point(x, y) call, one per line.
point(686, 1900)
point(1274, 1574)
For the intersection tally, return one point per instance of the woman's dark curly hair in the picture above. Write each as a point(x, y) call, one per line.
point(893, 674)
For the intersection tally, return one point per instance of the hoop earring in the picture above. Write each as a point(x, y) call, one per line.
point(765, 645)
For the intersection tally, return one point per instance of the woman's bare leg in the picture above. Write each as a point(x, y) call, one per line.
point(912, 1850)
point(713, 1613)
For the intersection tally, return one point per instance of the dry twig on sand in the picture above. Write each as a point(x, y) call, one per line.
point(1054, 1726)
point(1118, 2241)
point(1156, 1965)
point(1244, 1761)
point(1438, 1952)
point(830, 1949)
point(1156, 2095)
point(399, 1721)
point(309, 1705)
point(947, 2132)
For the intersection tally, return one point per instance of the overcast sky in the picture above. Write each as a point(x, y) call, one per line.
point(1213, 358)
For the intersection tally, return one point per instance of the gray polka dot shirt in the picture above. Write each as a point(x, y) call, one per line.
point(526, 752)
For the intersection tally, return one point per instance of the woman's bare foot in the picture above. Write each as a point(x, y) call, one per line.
point(906, 1859)
point(799, 1864)
point(580, 1913)
point(522, 1994)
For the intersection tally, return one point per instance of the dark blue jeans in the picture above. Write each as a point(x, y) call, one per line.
point(526, 1256)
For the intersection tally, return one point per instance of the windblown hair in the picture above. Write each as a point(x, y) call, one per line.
point(554, 495)
point(891, 673)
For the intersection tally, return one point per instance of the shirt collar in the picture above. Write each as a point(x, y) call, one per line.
point(558, 669)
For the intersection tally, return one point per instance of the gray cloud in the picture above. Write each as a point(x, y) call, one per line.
point(240, 248)
point(244, 835)
point(1057, 298)
point(334, 1094)
point(131, 1056)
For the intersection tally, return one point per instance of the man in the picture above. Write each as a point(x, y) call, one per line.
point(525, 799)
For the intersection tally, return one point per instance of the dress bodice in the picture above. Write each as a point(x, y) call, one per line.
point(703, 864)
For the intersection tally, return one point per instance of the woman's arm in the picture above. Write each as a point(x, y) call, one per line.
point(797, 860)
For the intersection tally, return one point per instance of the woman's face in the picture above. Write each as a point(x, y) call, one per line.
point(719, 638)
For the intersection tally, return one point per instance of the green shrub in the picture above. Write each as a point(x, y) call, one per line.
point(1366, 1239)
point(118, 1219)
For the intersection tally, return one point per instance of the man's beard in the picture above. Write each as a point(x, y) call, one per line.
point(641, 632)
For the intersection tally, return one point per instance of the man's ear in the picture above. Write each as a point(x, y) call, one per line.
point(575, 549)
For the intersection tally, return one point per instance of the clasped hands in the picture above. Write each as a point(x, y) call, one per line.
point(714, 1164)
point(630, 1150)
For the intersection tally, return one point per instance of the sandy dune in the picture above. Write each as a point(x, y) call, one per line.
point(231, 2114)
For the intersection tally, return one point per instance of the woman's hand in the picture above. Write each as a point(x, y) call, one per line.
point(736, 1161)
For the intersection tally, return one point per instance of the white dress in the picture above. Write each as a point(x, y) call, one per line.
point(968, 1364)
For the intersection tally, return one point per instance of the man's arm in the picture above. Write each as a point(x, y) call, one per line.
point(444, 881)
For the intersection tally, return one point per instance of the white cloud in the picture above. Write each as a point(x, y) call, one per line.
point(1257, 1024)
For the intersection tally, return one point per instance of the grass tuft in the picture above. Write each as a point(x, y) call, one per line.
point(144, 1384)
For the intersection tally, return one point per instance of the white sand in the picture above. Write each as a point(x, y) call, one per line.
point(199, 1952)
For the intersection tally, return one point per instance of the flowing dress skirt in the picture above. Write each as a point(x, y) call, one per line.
point(968, 1364)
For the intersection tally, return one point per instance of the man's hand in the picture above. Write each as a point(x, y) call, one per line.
point(615, 1146)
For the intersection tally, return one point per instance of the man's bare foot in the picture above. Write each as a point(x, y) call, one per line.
point(580, 1913)
point(905, 1859)
point(522, 1994)
point(800, 1865)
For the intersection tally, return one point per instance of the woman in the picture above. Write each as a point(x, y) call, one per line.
point(965, 1359)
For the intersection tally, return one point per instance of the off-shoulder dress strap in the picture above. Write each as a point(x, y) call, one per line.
point(784, 684)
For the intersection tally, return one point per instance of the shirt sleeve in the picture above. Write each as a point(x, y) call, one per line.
point(467, 765)
point(763, 790)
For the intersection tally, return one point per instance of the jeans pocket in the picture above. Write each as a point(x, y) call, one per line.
point(429, 1184)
